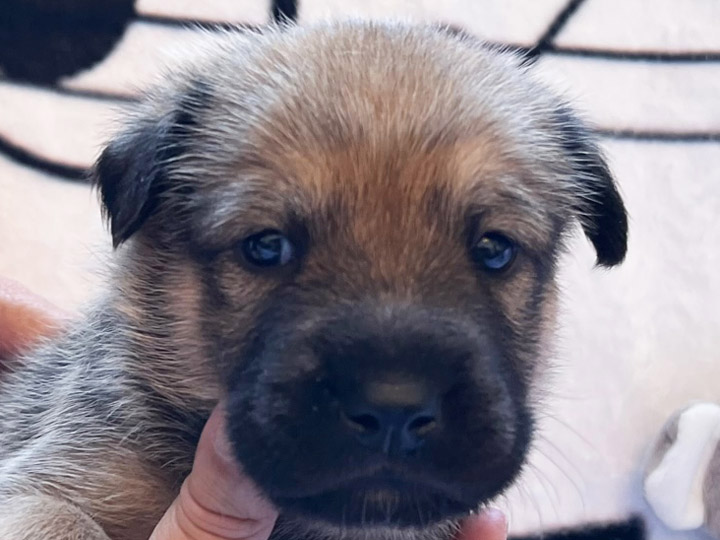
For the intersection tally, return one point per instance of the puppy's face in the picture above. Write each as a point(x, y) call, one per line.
point(367, 219)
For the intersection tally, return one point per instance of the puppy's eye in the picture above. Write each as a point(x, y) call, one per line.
point(493, 251)
point(268, 248)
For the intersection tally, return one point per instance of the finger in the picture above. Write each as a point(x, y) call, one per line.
point(220, 483)
point(217, 501)
point(490, 524)
point(25, 317)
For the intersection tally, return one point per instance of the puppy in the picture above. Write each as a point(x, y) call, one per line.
point(350, 232)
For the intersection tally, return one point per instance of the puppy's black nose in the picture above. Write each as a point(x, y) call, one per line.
point(395, 418)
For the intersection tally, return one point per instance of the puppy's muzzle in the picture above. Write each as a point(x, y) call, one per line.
point(375, 415)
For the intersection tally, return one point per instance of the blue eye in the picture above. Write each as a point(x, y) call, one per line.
point(493, 251)
point(268, 248)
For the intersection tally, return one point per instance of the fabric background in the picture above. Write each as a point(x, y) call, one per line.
point(635, 344)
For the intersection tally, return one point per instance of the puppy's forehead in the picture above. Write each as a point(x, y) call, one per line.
point(329, 87)
point(389, 119)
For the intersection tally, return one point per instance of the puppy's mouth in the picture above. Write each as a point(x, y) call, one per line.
point(384, 497)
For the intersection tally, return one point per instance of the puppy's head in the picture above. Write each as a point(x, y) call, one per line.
point(366, 219)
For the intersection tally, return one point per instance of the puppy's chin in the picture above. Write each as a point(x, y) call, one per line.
point(294, 525)
point(389, 504)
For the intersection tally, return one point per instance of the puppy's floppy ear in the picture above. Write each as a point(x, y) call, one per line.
point(599, 205)
point(130, 176)
point(132, 172)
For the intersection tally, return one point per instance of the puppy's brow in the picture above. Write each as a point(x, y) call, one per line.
point(236, 209)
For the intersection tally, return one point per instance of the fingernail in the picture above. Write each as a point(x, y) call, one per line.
point(222, 445)
point(495, 514)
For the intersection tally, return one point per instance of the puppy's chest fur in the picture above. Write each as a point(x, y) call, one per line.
point(80, 423)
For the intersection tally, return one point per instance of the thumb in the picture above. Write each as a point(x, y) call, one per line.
point(216, 501)
point(490, 524)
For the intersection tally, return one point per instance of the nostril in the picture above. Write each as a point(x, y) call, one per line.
point(422, 424)
point(364, 423)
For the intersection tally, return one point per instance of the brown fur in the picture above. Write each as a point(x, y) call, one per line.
point(389, 143)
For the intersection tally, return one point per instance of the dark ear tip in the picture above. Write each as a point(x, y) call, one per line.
point(611, 249)
point(98, 178)
point(608, 261)
point(117, 239)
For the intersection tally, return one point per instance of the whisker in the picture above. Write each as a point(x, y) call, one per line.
point(543, 481)
point(578, 490)
point(537, 507)
point(552, 446)
point(571, 430)
point(528, 496)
